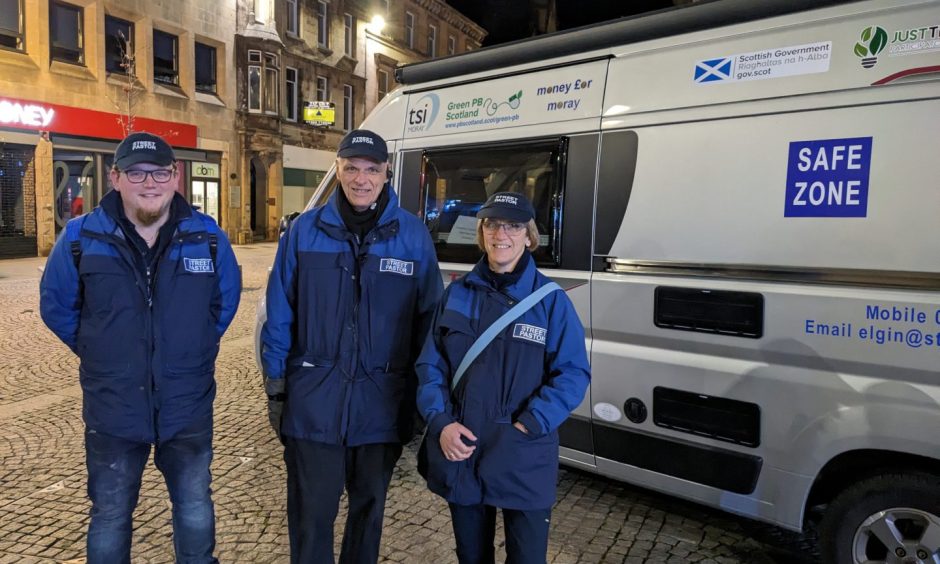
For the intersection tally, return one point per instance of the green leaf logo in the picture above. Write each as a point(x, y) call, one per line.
point(879, 41)
point(873, 41)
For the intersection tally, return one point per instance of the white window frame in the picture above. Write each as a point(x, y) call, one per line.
point(410, 30)
point(323, 89)
point(348, 107)
point(291, 88)
point(323, 24)
point(293, 18)
point(451, 45)
point(349, 35)
point(432, 40)
point(381, 79)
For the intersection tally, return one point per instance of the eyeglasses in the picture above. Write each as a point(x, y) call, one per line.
point(510, 227)
point(160, 175)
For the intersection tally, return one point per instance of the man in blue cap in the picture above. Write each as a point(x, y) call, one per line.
point(349, 302)
point(142, 289)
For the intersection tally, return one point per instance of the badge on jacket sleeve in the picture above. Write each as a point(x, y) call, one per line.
point(198, 265)
point(403, 267)
point(529, 333)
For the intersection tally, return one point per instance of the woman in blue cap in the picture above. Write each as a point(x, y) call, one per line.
point(498, 374)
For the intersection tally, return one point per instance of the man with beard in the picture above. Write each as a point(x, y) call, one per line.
point(349, 302)
point(142, 289)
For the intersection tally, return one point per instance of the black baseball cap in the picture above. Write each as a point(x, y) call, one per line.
point(363, 143)
point(507, 205)
point(143, 147)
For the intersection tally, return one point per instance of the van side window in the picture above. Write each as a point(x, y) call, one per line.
point(456, 183)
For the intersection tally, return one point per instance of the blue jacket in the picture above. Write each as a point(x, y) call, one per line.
point(345, 322)
point(146, 370)
point(536, 371)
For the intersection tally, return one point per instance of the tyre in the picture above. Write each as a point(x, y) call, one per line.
point(891, 518)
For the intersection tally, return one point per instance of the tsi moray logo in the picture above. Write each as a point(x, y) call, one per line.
point(422, 115)
point(873, 40)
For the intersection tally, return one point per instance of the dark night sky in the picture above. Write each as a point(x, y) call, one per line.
point(508, 20)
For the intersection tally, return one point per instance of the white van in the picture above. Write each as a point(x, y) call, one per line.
point(747, 218)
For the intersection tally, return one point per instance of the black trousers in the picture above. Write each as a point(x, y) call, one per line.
point(316, 476)
point(475, 529)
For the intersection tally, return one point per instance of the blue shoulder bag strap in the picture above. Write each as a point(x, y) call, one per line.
point(497, 326)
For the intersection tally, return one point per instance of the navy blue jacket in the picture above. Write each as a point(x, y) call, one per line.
point(345, 322)
point(146, 369)
point(535, 371)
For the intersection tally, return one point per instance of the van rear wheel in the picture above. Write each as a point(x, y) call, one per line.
point(891, 518)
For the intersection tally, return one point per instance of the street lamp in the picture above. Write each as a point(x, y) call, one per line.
point(377, 24)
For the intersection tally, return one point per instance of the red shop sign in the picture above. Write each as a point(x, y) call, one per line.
point(40, 116)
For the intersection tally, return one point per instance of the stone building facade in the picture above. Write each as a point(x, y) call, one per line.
point(297, 53)
point(77, 75)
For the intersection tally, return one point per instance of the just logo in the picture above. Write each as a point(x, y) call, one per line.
point(402, 267)
point(144, 145)
point(363, 140)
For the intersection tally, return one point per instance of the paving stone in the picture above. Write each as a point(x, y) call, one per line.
point(44, 511)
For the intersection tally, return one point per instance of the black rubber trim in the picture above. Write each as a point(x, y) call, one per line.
point(710, 466)
point(614, 185)
point(578, 205)
point(409, 184)
point(575, 433)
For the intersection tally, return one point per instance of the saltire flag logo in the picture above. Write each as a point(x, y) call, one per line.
point(713, 70)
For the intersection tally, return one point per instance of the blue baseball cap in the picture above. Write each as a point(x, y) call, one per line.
point(507, 205)
point(363, 143)
point(143, 147)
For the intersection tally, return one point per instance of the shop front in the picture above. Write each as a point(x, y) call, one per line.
point(57, 167)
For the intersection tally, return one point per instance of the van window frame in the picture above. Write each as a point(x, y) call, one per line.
point(552, 257)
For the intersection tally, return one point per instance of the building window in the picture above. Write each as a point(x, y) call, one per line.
point(293, 18)
point(65, 29)
point(349, 35)
point(118, 46)
point(432, 41)
point(323, 89)
point(388, 6)
point(205, 68)
point(262, 82)
point(451, 45)
point(270, 84)
point(382, 79)
point(348, 107)
point(410, 30)
point(166, 69)
point(290, 84)
point(11, 24)
point(323, 25)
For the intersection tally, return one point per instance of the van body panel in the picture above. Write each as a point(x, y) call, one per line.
point(754, 257)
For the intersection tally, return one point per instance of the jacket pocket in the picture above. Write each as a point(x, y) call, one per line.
point(314, 399)
point(519, 470)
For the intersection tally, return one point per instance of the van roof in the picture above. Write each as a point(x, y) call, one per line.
point(631, 29)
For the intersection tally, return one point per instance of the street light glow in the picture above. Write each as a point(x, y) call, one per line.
point(377, 24)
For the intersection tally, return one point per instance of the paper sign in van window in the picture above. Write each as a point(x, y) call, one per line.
point(828, 178)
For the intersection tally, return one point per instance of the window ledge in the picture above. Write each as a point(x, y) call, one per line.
point(71, 70)
point(208, 98)
point(171, 91)
point(120, 80)
point(324, 50)
point(17, 59)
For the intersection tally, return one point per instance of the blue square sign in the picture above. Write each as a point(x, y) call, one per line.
point(828, 178)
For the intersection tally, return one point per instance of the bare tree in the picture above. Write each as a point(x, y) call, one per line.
point(130, 89)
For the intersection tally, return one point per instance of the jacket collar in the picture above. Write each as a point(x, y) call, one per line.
point(104, 219)
point(332, 223)
point(525, 285)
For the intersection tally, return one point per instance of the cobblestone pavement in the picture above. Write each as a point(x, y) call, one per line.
point(43, 509)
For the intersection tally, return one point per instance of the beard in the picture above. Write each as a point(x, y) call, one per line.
point(147, 218)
